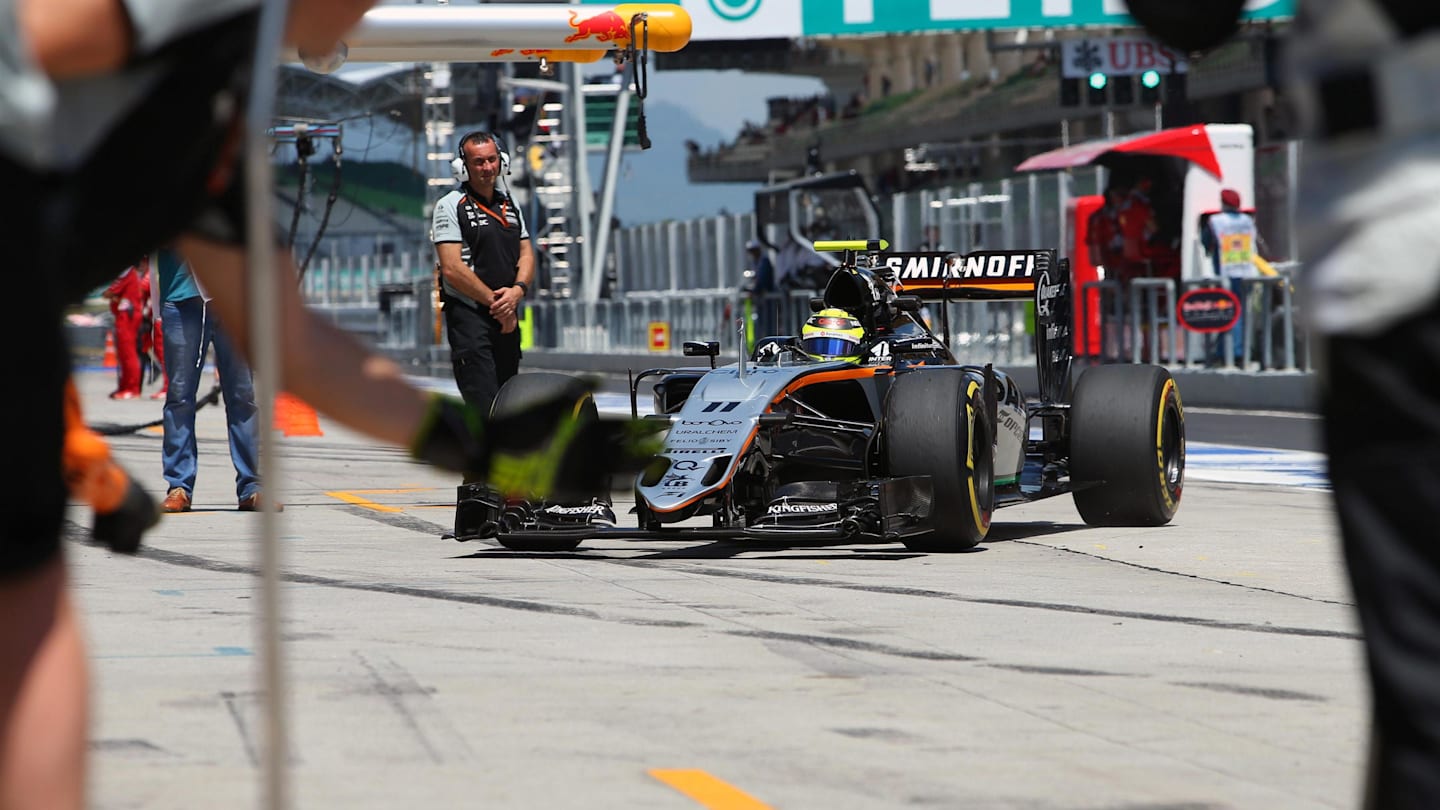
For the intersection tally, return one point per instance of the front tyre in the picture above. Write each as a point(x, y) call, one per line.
point(1127, 446)
point(935, 425)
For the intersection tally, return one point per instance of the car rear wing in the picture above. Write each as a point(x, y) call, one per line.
point(1000, 275)
point(984, 275)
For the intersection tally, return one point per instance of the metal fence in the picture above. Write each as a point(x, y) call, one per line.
point(1135, 323)
point(1138, 324)
point(687, 276)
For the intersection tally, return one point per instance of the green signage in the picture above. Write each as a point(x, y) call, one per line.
point(840, 17)
point(600, 120)
point(752, 19)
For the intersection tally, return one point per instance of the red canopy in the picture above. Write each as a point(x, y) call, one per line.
point(1187, 143)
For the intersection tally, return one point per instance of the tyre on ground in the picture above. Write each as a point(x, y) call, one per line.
point(936, 425)
point(1127, 446)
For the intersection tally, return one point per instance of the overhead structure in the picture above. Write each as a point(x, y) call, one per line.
point(546, 34)
point(514, 32)
point(1191, 144)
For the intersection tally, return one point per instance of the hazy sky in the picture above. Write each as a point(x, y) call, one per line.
point(720, 99)
point(723, 99)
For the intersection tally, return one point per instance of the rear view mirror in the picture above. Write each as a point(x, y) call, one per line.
point(907, 303)
point(697, 348)
point(816, 303)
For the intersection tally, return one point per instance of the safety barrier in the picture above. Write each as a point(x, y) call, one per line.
point(1139, 324)
point(391, 302)
point(1135, 324)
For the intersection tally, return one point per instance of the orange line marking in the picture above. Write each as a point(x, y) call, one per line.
point(708, 791)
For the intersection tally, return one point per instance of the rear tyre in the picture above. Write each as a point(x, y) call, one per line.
point(1127, 446)
point(936, 425)
point(527, 388)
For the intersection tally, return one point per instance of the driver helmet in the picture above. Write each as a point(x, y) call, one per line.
point(832, 334)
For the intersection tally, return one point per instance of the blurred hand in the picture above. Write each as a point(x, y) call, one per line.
point(545, 446)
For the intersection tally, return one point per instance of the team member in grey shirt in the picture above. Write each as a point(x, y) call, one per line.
point(486, 268)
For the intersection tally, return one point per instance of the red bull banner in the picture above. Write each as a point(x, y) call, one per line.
point(1208, 309)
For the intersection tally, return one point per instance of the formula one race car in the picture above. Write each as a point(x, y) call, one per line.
point(865, 428)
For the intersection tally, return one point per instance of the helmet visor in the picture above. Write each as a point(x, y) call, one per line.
point(828, 346)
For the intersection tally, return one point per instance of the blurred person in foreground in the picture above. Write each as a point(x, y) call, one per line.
point(1362, 74)
point(81, 83)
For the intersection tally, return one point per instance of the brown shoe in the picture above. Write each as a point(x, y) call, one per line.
point(255, 504)
point(176, 500)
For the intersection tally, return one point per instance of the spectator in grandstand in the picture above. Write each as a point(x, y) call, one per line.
point(1369, 221)
point(82, 85)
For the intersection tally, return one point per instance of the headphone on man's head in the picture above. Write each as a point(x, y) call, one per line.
point(458, 167)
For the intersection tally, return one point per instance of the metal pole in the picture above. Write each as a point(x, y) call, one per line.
point(1292, 193)
point(607, 192)
point(264, 279)
point(580, 177)
point(1033, 202)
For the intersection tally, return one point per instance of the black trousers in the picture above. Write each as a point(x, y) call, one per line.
point(1382, 428)
point(482, 357)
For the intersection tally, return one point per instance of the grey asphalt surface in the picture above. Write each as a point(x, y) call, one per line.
point(1211, 663)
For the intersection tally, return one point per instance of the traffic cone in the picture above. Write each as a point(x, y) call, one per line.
point(109, 361)
point(295, 417)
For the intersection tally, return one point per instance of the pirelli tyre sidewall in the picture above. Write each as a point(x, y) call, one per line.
point(1127, 446)
point(528, 387)
point(936, 425)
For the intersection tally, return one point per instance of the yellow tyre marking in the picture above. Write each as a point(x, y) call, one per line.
point(707, 791)
point(1160, 438)
point(981, 523)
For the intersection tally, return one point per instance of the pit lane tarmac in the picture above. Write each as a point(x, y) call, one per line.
point(1210, 663)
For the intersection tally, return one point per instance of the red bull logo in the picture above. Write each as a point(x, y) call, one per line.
point(607, 26)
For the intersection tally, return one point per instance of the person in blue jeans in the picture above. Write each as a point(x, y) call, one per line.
point(189, 330)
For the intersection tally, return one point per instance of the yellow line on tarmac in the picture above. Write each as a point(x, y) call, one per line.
point(708, 791)
point(400, 491)
point(351, 497)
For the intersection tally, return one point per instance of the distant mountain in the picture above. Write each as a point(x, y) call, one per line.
point(653, 186)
